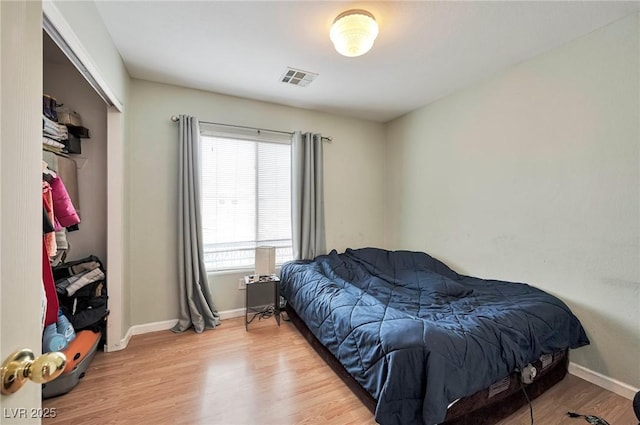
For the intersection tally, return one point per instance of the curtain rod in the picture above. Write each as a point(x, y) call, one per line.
point(176, 119)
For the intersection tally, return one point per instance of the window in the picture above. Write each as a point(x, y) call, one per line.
point(246, 200)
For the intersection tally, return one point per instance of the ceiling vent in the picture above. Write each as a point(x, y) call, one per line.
point(297, 77)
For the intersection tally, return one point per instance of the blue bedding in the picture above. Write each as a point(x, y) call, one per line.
point(415, 334)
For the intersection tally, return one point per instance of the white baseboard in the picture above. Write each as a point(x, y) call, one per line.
point(165, 325)
point(153, 327)
point(231, 314)
point(127, 337)
point(613, 385)
point(121, 345)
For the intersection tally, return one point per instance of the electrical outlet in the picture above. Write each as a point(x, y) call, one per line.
point(241, 284)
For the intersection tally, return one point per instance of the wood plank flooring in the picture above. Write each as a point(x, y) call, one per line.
point(269, 375)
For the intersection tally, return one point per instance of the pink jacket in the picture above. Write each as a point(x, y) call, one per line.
point(63, 210)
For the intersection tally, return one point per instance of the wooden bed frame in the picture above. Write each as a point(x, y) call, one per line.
point(486, 407)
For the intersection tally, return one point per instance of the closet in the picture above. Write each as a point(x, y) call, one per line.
point(88, 191)
point(62, 81)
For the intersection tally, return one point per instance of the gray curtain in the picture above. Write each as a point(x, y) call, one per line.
point(196, 304)
point(307, 196)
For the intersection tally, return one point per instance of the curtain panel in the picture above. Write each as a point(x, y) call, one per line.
point(307, 196)
point(196, 304)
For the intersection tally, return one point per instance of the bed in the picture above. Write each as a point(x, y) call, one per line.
point(417, 341)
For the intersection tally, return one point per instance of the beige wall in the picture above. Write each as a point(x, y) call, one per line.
point(354, 185)
point(534, 176)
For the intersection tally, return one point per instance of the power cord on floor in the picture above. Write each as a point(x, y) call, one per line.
point(524, 391)
point(528, 374)
point(267, 312)
point(263, 314)
point(593, 420)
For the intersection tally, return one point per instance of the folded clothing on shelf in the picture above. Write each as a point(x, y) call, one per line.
point(51, 142)
point(53, 130)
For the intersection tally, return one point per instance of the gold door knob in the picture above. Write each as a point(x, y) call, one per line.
point(23, 365)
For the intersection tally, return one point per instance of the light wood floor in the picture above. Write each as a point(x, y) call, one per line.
point(269, 375)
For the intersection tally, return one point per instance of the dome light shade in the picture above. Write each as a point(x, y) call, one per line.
point(353, 32)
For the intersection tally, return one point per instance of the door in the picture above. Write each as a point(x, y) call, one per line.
point(20, 196)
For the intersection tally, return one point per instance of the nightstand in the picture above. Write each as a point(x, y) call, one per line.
point(253, 284)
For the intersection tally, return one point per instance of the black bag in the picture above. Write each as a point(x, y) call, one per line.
point(86, 307)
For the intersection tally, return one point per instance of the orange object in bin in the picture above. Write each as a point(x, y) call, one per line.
point(83, 344)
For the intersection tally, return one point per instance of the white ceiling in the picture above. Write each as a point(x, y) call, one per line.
point(425, 49)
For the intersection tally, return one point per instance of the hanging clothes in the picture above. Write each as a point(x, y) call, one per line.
point(67, 170)
point(49, 248)
point(51, 314)
point(47, 224)
point(63, 209)
point(63, 248)
point(51, 159)
point(49, 235)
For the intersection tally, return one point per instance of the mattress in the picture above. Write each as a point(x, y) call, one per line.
point(416, 335)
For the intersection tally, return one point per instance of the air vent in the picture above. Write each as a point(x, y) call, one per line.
point(298, 77)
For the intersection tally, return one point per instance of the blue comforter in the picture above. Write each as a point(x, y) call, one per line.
point(415, 334)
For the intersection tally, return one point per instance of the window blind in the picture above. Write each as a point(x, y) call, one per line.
point(246, 200)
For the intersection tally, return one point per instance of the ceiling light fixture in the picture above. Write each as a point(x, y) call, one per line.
point(353, 32)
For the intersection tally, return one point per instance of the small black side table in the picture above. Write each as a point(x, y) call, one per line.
point(253, 281)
